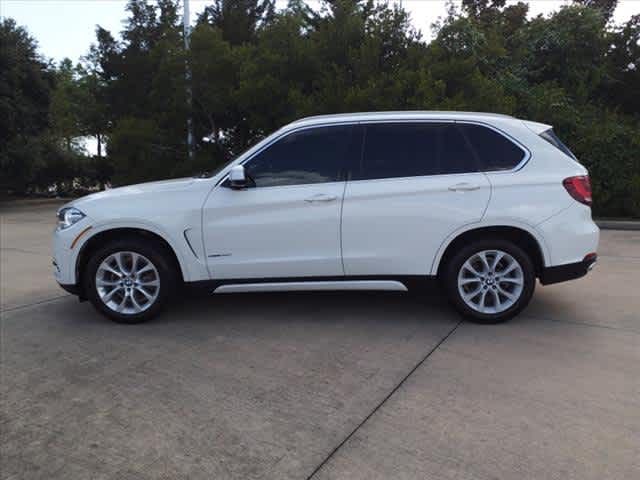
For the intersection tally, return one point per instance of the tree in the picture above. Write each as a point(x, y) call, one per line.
point(478, 8)
point(25, 94)
point(605, 7)
point(66, 106)
point(623, 68)
point(255, 68)
point(238, 20)
point(140, 81)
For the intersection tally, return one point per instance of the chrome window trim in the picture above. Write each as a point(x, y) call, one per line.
point(525, 150)
point(527, 153)
point(525, 159)
point(285, 134)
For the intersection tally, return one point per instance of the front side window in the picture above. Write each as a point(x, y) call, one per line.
point(317, 155)
point(494, 150)
point(414, 150)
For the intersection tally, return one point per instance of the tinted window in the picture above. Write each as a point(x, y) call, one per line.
point(551, 137)
point(494, 150)
point(414, 149)
point(456, 155)
point(311, 156)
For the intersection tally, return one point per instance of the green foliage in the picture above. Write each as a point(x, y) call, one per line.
point(42, 116)
point(238, 20)
point(251, 69)
point(134, 150)
point(66, 107)
point(25, 91)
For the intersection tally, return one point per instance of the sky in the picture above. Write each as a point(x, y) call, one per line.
point(66, 28)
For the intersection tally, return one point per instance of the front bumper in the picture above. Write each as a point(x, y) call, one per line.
point(570, 271)
point(72, 289)
point(65, 247)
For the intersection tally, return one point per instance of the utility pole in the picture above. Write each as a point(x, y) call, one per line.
point(187, 33)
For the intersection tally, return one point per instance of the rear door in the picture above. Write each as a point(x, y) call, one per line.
point(414, 185)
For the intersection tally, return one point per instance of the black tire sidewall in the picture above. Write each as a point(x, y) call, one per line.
point(150, 250)
point(466, 252)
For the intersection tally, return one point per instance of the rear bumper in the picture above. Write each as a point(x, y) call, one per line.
point(570, 271)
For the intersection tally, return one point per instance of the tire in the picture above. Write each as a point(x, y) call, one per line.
point(494, 294)
point(147, 292)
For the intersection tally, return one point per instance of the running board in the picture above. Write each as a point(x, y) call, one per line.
point(392, 285)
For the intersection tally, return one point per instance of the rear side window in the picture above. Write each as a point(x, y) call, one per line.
point(551, 137)
point(494, 150)
point(317, 155)
point(413, 150)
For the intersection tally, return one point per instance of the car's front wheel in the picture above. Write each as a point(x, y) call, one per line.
point(129, 280)
point(490, 281)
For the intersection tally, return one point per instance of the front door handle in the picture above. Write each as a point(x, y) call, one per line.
point(321, 197)
point(464, 187)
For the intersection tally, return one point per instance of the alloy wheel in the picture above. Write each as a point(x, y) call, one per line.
point(490, 281)
point(127, 282)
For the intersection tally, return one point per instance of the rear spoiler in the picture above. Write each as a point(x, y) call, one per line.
point(536, 127)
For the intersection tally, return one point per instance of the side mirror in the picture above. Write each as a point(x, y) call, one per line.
point(238, 177)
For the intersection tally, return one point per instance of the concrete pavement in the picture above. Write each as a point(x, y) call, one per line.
point(25, 253)
point(317, 385)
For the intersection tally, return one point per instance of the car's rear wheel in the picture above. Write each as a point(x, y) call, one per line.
point(490, 281)
point(129, 280)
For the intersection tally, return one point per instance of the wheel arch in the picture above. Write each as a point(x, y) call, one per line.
point(105, 235)
point(523, 236)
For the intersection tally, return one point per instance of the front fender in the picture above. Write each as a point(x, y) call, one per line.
point(191, 268)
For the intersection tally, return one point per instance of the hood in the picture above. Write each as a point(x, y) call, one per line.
point(135, 190)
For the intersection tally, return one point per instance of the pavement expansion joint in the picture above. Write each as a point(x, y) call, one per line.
point(383, 401)
point(27, 305)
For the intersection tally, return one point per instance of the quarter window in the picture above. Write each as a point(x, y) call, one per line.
point(310, 156)
point(494, 150)
point(552, 138)
point(414, 149)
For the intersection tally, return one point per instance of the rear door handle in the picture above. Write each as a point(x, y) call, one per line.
point(464, 187)
point(321, 197)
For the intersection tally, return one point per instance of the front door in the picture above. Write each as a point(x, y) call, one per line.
point(288, 224)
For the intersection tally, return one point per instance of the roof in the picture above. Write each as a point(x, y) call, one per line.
point(399, 115)
point(536, 127)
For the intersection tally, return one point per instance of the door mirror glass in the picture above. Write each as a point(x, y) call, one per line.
point(238, 177)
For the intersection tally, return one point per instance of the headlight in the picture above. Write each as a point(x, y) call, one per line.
point(69, 216)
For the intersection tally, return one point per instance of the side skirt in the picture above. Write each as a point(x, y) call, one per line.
point(391, 285)
point(401, 283)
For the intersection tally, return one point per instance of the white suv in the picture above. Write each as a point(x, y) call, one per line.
point(366, 201)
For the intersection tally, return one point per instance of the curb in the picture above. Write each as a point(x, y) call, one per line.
point(618, 224)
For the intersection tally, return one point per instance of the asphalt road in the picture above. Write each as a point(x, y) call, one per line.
point(323, 386)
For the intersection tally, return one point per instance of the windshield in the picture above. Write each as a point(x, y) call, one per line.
point(551, 137)
point(215, 171)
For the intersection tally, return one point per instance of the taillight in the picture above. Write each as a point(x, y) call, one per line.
point(579, 188)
